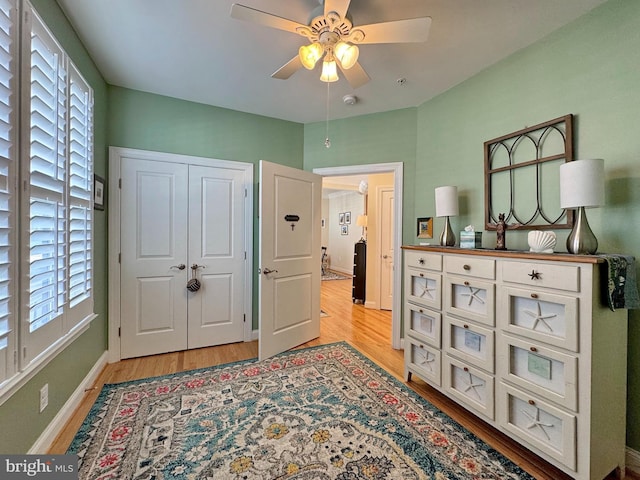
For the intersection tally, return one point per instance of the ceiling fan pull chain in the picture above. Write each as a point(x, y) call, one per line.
point(327, 142)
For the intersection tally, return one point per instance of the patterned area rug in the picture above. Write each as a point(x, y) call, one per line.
point(334, 276)
point(315, 414)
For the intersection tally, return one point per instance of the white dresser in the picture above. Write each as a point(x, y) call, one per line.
point(527, 343)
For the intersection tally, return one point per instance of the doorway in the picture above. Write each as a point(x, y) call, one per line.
point(396, 230)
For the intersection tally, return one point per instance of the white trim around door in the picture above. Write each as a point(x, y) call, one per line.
point(397, 169)
point(116, 154)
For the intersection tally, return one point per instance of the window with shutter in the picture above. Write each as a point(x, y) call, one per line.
point(80, 197)
point(8, 152)
point(48, 222)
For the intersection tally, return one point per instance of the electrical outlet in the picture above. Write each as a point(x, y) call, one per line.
point(44, 397)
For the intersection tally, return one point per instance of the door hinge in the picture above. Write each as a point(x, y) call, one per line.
point(246, 193)
point(119, 257)
point(24, 352)
point(119, 331)
point(245, 255)
point(119, 183)
point(244, 317)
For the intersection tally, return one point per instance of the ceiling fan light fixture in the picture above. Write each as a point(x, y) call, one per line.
point(310, 54)
point(329, 71)
point(347, 54)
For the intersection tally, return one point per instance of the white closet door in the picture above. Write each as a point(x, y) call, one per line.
point(154, 226)
point(216, 246)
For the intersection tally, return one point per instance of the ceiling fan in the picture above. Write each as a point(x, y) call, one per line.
point(333, 36)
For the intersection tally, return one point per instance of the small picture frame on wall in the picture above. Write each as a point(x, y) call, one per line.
point(425, 227)
point(344, 230)
point(99, 193)
point(341, 218)
point(347, 218)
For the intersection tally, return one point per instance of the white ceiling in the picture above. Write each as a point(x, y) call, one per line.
point(193, 50)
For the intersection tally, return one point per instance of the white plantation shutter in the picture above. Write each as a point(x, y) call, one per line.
point(46, 225)
point(58, 139)
point(8, 204)
point(80, 196)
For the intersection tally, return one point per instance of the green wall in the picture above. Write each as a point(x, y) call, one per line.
point(20, 421)
point(153, 122)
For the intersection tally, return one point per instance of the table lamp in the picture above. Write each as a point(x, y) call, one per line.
point(446, 206)
point(582, 186)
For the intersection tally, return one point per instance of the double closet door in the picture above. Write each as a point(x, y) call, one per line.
point(179, 222)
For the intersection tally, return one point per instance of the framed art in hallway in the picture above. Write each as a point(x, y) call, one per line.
point(344, 230)
point(341, 218)
point(347, 218)
point(98, 192)
point(425, 227)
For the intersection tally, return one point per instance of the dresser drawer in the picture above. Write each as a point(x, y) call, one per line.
point(422, 360)
point(416, 259)
point(539, 424)
point(469, 385)
point(541, 370)
point(559, 277)
point(423, 324)
point(541, 316)
point(470, 298)
point(423, 287)
point(468, 342)
point(472, 266)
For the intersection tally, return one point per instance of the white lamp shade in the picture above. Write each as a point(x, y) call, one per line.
point(446, 201)
point(361, 221)
point(329, 71)
point(310, 54)
point(347, 54)
point(582, 183)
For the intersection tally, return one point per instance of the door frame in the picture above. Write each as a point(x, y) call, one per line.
point(115, 163)
point(397, 169)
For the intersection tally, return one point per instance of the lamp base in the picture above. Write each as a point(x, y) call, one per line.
point(581, 240)
point(447, 238)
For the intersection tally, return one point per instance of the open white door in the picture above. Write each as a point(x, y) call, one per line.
point(290, 250)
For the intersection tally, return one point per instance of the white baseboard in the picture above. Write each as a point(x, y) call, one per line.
point(42, 444)
point(633, 461)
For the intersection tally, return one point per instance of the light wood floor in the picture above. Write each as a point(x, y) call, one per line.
point(367, 330)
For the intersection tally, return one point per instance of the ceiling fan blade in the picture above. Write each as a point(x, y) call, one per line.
point(338, 6)
point(356, 76)
point(399, 31)
point(240, 12)
point(288, 69)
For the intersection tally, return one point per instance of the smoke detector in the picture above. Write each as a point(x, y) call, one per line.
point(350, 99)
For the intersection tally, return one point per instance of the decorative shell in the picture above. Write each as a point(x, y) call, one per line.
point(541, 241)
